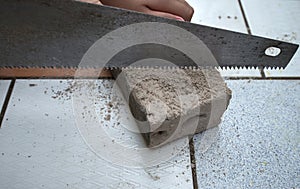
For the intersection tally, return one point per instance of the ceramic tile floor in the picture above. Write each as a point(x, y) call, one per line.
point(4, 84)
point(43, 146)
point(256, 146)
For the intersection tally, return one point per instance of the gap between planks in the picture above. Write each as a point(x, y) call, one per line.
point(193, 163)
point(6, 101)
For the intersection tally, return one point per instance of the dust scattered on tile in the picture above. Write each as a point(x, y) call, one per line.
point(56, 148)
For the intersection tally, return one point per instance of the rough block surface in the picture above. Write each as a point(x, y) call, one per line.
point(171, 103)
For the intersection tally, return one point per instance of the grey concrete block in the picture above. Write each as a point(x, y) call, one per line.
point(172, 103)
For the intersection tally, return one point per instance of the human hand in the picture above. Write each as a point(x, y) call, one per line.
point(173, 9)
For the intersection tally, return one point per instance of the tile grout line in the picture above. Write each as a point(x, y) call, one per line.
point(260, 78)
point(244, 17)
point(193, 163)
point(6, 101)
point(262, 73)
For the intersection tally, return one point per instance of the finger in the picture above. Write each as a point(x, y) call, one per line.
point(175, 7)
point(92, 1)
point(165, 15)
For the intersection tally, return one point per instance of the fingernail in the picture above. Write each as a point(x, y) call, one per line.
point(179, 18)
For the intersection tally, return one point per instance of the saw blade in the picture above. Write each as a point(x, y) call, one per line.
point(57, 34)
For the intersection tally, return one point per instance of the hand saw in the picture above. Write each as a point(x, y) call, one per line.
point(50, 37)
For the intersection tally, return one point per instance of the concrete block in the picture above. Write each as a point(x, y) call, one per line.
point(172, 103)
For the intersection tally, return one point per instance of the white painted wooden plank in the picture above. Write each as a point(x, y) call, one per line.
point(225, 14)
point(4, 84)
point(44, 141)
point(278, 20)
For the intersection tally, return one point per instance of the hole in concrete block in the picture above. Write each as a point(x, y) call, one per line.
point(202, 115)
point(162, 132)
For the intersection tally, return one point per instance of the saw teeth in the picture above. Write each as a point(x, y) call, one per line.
point(112, 68)
point(197, 68)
